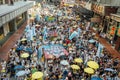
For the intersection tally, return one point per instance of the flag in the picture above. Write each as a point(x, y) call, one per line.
point(74, 34)
point(99, 51)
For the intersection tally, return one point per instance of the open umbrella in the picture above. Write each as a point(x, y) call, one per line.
point(91, 41)
point(23, 39)
point(93, 64)
point(96, 78)
point(37, 75)
point(37, 25)
point(18, 67)
point(24, 55)
point(109, 69)
point(89, 70)
point(75, 66)
point(78, 60)
point(64, 62)
point(20, 73)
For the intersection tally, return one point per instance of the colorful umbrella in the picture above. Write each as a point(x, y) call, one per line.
point(75, 66)
point(24, 55)
point(89, 70)
point(78, 60)
point(64, 62)
point(93, 64)
point(18, 67)
point(37, 75)
point(20, 73)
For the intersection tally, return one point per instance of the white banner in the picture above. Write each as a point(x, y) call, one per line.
point(99, 51)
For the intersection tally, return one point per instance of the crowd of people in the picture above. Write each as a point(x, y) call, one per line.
point(74, 35)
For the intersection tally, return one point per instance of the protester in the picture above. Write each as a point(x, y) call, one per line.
point(74, 39)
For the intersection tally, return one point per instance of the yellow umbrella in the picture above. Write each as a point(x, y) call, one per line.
point(37, 75)
point(89, 70)
point(23, 39)
point(78, 60)
point(93, 64)
point(75, 67)
point(24, 55)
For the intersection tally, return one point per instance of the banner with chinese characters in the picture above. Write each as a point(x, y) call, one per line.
point(56, 50)
point(112, 30)
point(118, 32)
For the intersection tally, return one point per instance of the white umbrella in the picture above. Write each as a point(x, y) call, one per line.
point(91, 41)
point(109, 69)
point(20, 73)
point(64, 62)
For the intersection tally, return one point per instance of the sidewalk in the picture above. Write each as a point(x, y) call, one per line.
point(109, 47)
point(11, 42)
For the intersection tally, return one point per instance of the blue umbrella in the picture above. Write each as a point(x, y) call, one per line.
point(109, 69)
point(96, 78)
point(91, 41)
point(20, 73)
point(64, 62)
point(18, 67)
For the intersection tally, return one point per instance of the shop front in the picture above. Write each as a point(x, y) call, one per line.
point(114, 31)
point(7, 29)
point(101, 20)
point(97, 19)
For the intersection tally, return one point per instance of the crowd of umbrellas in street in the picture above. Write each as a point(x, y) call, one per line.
point(58, 45)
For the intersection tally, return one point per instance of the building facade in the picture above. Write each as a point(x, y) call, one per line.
point(106, 19)
point(12, 16)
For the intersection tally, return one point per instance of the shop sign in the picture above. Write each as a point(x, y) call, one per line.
point(95, 19)
point(98, 9)
point(115, 17)
point(118, 32)
point(112, 30)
